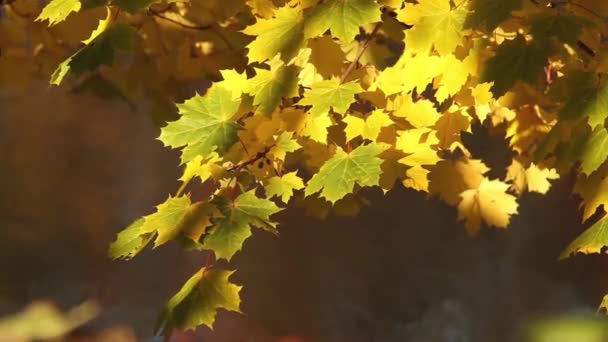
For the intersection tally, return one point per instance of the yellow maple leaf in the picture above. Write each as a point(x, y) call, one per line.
point(315, 126)
point(594, 191)
point(449, 178)
point(436, 24)
point(283, 34)
point(449, 127)
point(454, 76)
point(408, 73)
point(533, 179)
point(417, 178)
point(284, 186)
point(421, 113)
point(482, 96)
point(368, 128)
point(489, 202)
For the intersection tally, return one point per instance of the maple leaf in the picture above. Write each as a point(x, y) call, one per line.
point(205, 124)
point(533, 179)
point(343, 18)
point(489, 202)
point(408, 73)
point(514, 60)
point(587, 99)
point(234, 81)
point(130, 241)
point(421, 113)
point(203, 168)
point(269, 87)
point(100, 50)
point(196, 219)
point(284, 186)
point(330, 93)
point(594, 191)
point(316, 125)
point(417, 178)
point(483, 97)
point(229, 233)
point(57, 11)
point(368, 128)
point(338, 176)
point(436, 24)
point(285, 143)
point(282, 35)
point(590, 241)
point(454, 76)
point(198, 300)
point(165, 224)
point(595, 150)
point(490, 13)
point(449, 127)
point(449, 178)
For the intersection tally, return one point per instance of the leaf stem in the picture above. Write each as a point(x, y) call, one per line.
point(362, 49)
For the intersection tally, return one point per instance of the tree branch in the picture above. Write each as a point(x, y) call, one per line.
point(360, 53)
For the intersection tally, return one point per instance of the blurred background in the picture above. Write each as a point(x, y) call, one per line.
point(77, 168)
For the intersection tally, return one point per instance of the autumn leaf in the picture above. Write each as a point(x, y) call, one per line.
point(205, 124)
point(590, 241)
point(197, 302)
point(229, 232)
point(515, 60)
point(489, 202)
point(369, 128)
point(283, 34)
point(330, 93)
point(436, 24)
point(269, 87)
point(338, 176)
point(284, 186)
point(343, 18)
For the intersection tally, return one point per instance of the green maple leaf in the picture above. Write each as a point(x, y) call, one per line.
point(590, 241)
point(587, 98)
point(337, 177)
point(282, 34)
point(100, 50)
point(198, 300)
point(57, 11)
point(230, 232)
point(330, 93)
point(285, 143)
point(163, 224)
point(490, 13)
point(130, 241)
point(205, 124)
point(436, 24)
point(284, 186)
point(342, 17)
point(564, 27)
point(595, 150)
point(177, 215)
point(514, 60)
point(269, 87)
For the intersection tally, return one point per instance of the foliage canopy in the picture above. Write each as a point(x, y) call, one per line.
point(313, 100)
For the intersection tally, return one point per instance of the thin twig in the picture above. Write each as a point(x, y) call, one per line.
point(588, 10)
point(179, 23)
point(360, 53)
point(252, 160)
